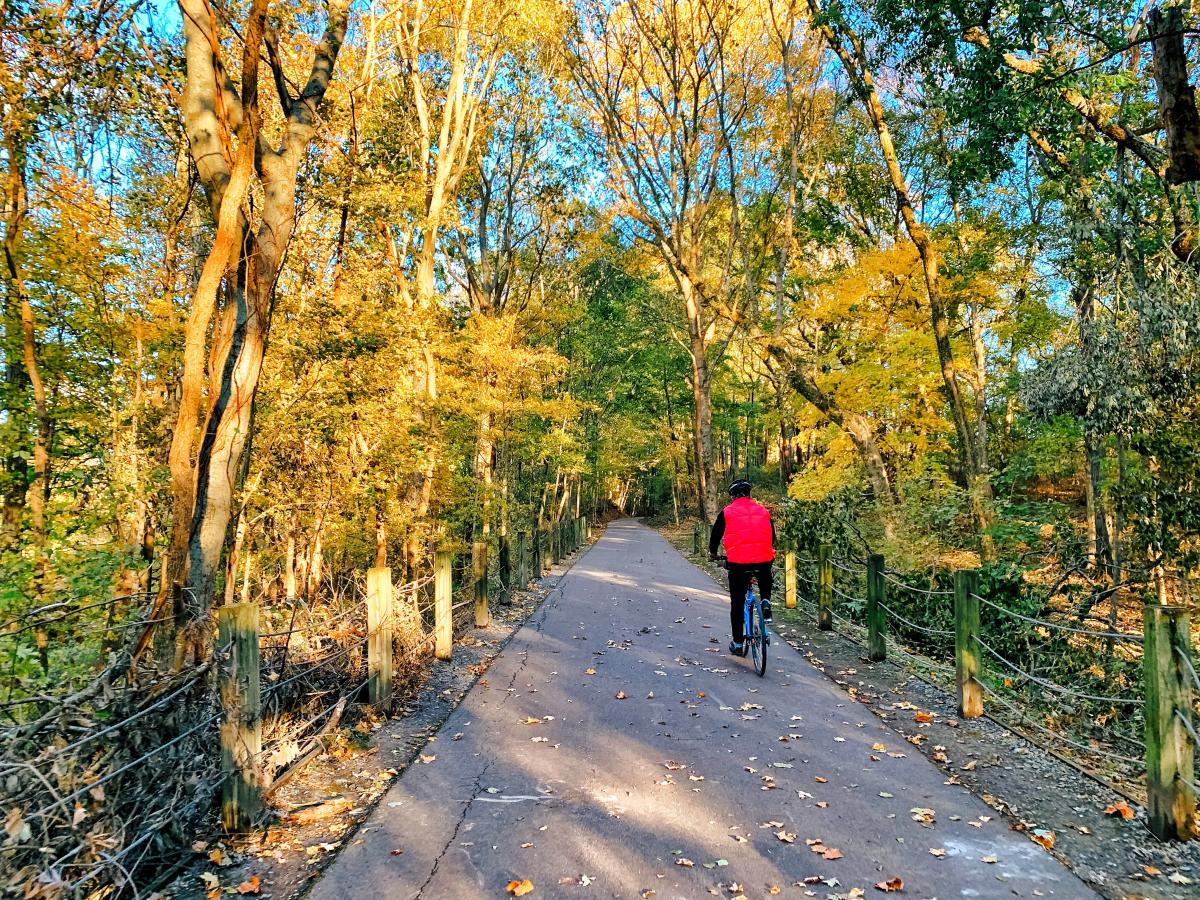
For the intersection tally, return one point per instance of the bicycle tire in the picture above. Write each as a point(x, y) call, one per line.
point(756, 639)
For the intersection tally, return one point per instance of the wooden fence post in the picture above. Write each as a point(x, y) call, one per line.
point(479, 576)
point(789, 579)
point(522, 563)
point(967, 662)
point(1170, 750)
point(443, 598)
point(584, 533)
point(539, 544)
point(379, 636)
point(696, 539)
point(825, 584)
point(876, 617)
point(241, 727)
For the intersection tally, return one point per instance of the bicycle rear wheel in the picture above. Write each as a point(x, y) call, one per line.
point(757, 638)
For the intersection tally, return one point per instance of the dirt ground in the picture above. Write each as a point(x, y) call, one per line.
point(1036, 792)
point(321, 810)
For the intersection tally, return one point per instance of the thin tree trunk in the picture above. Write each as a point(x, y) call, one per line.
point(702, 433)
point(854, 61)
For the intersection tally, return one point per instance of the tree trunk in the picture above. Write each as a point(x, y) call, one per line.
point(1176, 95)
point(854, 62)
point(39, 488)
point(289, 571)
point(213, 110)
point(702, 434)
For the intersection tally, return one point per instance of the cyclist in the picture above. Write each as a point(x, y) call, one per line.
point(749, 536)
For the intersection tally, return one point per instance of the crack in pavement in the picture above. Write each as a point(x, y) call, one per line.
point(457, 827)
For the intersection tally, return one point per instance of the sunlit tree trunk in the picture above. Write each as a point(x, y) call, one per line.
point(242, 268)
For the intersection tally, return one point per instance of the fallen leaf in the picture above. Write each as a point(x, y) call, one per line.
point(1044, 837)
point(428, 757)
point(620, 695)
point(532, 721)
point(890, 886)
point(922, 716)
point(786, 836)
point(1120, 808)
point(1179, 878)
point(939, 852)
point(685, 862)
point(589, 671)
point(1152, 870)
point(970, 766)
point(990, 860)
point(519, 888)
point(250, 886)
point(832, 853)
point(211, 881)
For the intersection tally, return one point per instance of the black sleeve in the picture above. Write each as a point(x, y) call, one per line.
point(773, 536)
point(718, 532)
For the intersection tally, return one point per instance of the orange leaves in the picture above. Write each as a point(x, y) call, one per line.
point(1044, 837)
point(890, 886)
point(922, 716)
point(817, 846)
point(250, 886)
point(1121, 809)
point(519, 888)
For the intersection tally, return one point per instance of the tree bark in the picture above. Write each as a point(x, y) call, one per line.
point(214, 110)
point(1176, 96)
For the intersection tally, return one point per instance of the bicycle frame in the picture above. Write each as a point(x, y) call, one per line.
point(751, 597)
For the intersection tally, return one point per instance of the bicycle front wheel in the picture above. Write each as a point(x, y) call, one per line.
point(758, 639)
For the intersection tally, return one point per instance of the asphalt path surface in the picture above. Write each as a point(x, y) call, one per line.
point(615, 749)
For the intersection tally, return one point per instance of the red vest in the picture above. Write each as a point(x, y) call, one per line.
point(748, 532)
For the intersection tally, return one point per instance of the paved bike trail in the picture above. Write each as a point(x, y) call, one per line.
point(702, 761)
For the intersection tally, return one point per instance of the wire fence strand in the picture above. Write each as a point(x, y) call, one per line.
point(1103, 635)
point(1051, 686)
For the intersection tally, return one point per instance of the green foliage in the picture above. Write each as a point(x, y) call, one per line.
point(805, 524)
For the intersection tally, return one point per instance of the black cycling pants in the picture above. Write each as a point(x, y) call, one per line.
point(739, 583)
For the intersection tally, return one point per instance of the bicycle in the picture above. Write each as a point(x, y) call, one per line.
point(757, 638)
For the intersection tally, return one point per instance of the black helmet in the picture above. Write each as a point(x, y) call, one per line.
point(740, 488)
